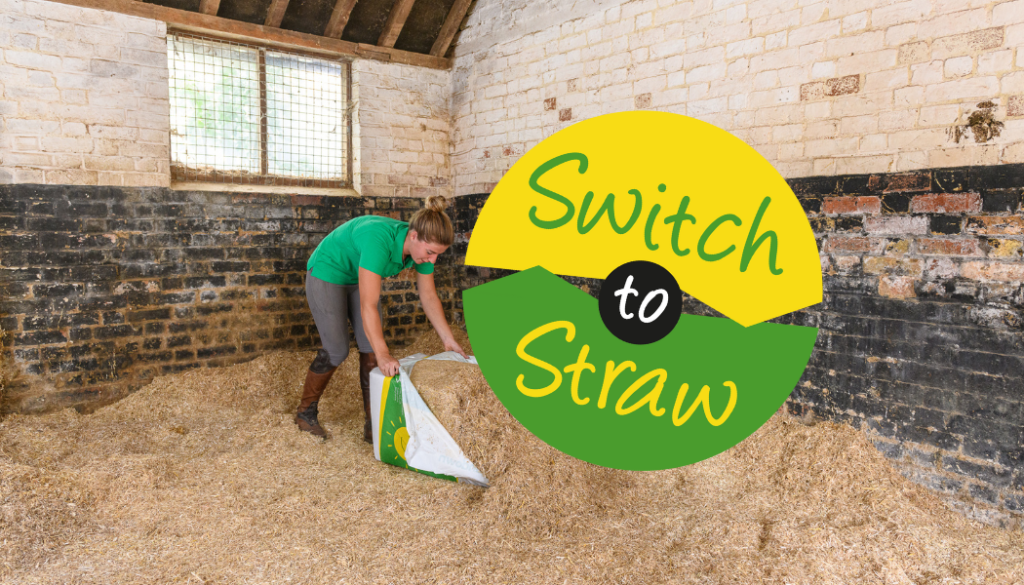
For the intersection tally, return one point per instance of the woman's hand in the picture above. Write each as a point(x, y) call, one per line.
point(387, 364)
point(451, 345)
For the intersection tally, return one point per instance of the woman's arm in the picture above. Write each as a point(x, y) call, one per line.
point(369, 295)
point(432, 307)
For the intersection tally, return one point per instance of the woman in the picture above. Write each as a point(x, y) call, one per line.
point(343, 280)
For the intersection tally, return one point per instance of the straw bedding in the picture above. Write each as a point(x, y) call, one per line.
point(3, 375)
point(202, 477)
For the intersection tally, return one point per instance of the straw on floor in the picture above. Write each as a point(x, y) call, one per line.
point(202, 477)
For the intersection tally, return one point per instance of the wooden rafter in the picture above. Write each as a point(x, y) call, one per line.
point(450, 27)
point(339, 18)
point(275, 14)
point(187, 21)
point(396, 20)
point(209, 7)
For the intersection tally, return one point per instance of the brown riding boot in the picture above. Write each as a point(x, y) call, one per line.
point(317, 377)
point(367, 362)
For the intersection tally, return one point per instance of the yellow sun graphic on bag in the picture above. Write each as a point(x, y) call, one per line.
point(401, 441)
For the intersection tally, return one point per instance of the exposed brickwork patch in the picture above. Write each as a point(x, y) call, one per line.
point(565, 115)
point(842, 85)
point(830, 87)
point(897, 287)
point(949, 247)
point(851, 205)
point(946, 203)
point(1005, 248)
point(897, 225)
point(550, 104)
point(967, 43)
point(814, 90)
point(902, 182)
point(1015, 106)
point(1012, 225)
point(853, 245)
point(997, 271)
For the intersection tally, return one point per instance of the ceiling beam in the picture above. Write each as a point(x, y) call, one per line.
point(275, 14)
point(187, 21)
point(339, 18)
point(450, 27)
point(209, 7)
point(396, 20)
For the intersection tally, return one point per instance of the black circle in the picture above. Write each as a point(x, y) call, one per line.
point(650, 286)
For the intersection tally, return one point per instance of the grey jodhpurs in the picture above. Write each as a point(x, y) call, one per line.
point(332, 306)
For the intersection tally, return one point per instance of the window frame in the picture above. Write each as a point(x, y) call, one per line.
point(184, 175)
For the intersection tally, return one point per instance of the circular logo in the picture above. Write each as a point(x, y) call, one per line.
point(657, 205)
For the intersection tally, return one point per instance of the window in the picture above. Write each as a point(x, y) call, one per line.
point(252, 115)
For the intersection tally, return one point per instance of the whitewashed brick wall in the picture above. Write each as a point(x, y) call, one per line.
point(403, 133)
point(819, 87)
point(84, 96)
point(85, 102)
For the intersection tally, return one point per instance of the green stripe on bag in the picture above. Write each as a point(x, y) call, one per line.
point(394, 437)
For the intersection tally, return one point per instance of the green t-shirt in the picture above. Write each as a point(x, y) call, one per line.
point(369, 241)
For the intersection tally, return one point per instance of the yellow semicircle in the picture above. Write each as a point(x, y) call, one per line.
point(711, 210)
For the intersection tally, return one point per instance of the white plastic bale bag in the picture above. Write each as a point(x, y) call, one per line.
point(407, 434)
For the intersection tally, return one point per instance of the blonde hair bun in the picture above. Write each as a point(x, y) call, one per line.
point(432, 223)
point(436, 203)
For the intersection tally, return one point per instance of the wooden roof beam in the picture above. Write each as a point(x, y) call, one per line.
point(188, 21)
point(339, 18)
point(275, 14)
point(396, 20)
point(450, 27)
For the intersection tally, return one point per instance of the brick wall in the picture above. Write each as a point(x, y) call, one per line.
point(102, 288)
point(85, 102)
point(403, 130)
point(84, 96)
point(817, 87)
point(922, 324)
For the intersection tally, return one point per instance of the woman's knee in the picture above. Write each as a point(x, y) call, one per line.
point(337, 357)
point(326, 361)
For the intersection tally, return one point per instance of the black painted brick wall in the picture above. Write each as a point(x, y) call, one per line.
point(921, 338)
point(103, 288)
point(922, 324)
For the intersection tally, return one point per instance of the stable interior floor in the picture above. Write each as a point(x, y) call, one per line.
point(202, 477)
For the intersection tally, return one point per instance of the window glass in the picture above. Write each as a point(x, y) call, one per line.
point(253, 115)
point(305, 121)
point(215, 97)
